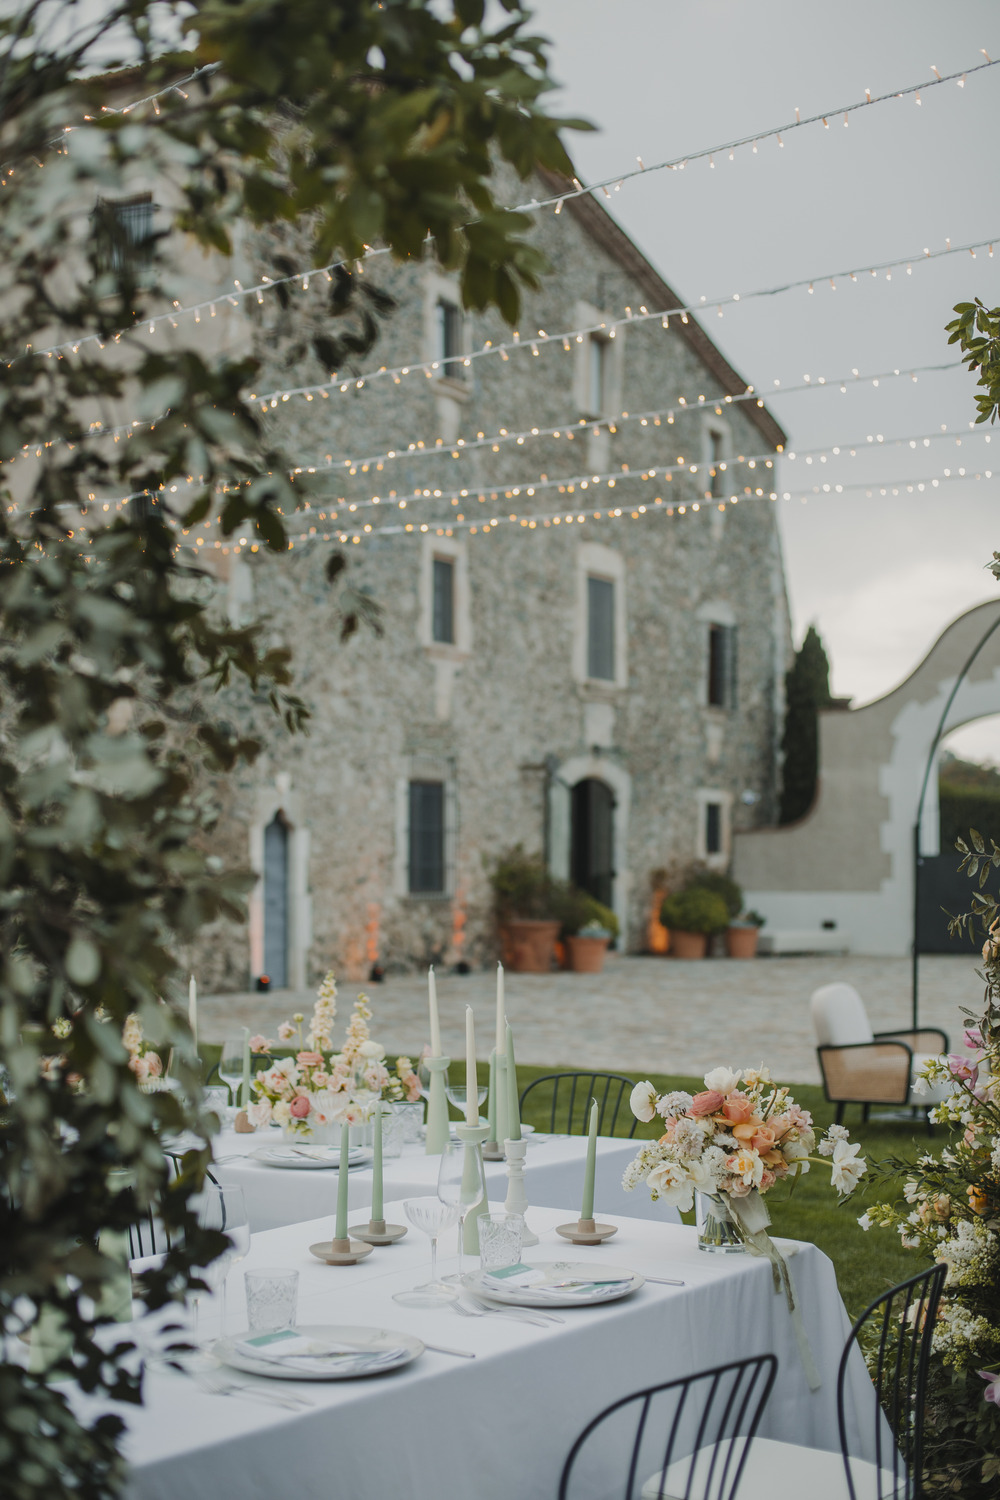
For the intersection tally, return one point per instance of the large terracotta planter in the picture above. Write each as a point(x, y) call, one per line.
point(528, 947)
point(688, 944)
point(586, 954)
point(741, 942)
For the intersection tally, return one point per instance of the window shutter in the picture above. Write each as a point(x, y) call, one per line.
point(601, 628)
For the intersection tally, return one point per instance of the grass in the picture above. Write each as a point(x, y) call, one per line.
point(866, 1263)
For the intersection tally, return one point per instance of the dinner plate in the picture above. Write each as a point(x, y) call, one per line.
point(309, 1158)
point(599, 1283)
point(396, 1349)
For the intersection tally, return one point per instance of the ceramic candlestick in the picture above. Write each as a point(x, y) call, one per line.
point(437, 1106)
point(473, 1183)
point(586, 1231)
point(517, 1198)
point(378, 1232)
point(341, 1252)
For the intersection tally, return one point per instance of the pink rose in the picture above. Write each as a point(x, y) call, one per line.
point(705, 1103)
point(767, 1180)
point(309, 1059)
point(299, 1107)
point(320, 1079)
point(737, 1107)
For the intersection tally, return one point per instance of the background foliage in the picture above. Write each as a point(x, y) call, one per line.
point(807, 689)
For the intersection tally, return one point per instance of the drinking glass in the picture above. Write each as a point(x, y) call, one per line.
point(393, 1133)
point(231, 1065)
point(225, 1209)
point(462, 1189)
point(500, 1240)
point(432, 1217)
point(458, 1094)
point(272, 1298)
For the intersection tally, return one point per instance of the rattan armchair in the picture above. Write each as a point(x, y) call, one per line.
point(860, 1066)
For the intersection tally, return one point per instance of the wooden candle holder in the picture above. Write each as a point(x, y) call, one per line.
point(586, 1232)
point(340, 1252)
point(378, 1232)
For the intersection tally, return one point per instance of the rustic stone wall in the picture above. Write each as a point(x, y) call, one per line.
point(489, 717)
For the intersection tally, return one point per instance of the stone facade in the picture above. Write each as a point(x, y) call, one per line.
point(504, 716)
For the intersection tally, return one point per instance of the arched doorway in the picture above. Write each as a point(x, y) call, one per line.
point(967, 788)
point(276, 902)
point(592, 838)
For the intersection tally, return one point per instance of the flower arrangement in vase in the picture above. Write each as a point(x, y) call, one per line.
point(313, 1094)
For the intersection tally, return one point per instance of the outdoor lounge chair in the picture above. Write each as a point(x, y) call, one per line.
point(863, 1067)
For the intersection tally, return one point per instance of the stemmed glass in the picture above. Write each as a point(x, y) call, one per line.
point(224, 1208)
point(432, 1217)
point(231, 1066)
point(458, 1093)
point(453, 1189)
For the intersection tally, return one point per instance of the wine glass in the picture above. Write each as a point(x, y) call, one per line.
point(458, 1093)
point(231, 1065)
point(432, 1217)
point(461, 1189)
point(225, 1209)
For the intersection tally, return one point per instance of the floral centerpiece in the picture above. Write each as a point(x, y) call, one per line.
point(319, 1089)
point(403, 1086)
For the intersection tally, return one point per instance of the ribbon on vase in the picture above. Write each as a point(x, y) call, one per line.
point(751, 1217)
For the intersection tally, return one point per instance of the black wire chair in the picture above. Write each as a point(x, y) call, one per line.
point(149, 1235)
point(571, 1095)
point(687, 1439)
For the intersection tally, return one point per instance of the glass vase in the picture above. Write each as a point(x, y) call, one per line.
point(717, 1233)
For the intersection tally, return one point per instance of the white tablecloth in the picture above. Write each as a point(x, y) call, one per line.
point(553, 1175)
point(498, 1427)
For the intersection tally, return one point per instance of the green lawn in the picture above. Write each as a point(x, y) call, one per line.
point(866, 1263)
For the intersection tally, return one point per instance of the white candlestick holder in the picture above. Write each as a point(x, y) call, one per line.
point(438, 1129)
point(517, 1199)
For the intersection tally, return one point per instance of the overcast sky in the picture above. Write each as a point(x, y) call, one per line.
point(880, 577)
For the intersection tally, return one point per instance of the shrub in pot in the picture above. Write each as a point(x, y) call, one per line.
point(526, 901)
point(691, 915)
point(588, 928)
point(741, 935)
point(720, 885)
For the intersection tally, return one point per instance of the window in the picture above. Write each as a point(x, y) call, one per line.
point(125, 227)
point(601, 628)
point(443, 603)
point(713, 827)
point(449, 339)
point(722, 666)
point(427, 842)
point(597, 361)
point(716, 457)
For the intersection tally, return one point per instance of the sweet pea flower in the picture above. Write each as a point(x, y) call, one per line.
point(962, 1069)
point(705, 1103)
point(643, 1101)
point(972, 1038)
point(992, 1391)
point(738, 1108)
point(300, 1107)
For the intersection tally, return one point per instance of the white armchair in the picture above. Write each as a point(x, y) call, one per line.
point(863, 1067)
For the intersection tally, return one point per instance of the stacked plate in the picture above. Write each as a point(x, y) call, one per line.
point(319, 1351)
point(555, 1283)
point(310, 1157)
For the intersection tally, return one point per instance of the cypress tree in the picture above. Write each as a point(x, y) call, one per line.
point(807, 689)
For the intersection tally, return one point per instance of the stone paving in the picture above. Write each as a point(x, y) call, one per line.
point(642, 1015)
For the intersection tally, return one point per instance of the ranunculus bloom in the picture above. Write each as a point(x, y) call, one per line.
point(300, 1107)
point(737, 1108)
point(705, 1103)
point(309, 1059)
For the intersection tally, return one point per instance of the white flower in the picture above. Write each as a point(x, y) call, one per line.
point(280, 1113)
point(676, 1103)
point(865, 1221)
point(920, 1085)
point(847, 1171)
point(643, 1101)
point(794, 1149)
point(372, 1049)
point(689, 1138)
point(260, 1113)
point(671, 1182)
point(706, 1172)
point(724, 1080)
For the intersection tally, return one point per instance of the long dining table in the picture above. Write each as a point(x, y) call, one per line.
point(497, 1426)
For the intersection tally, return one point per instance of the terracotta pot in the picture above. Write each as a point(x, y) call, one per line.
point(528, 947)
point(688, 944)
point(741, 942)
point(586, 954)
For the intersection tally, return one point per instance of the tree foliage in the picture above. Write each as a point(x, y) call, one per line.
point(357, 121)
point(807, 689)
point(977, 331)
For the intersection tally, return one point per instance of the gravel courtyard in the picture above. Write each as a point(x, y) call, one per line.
point(641, 1014)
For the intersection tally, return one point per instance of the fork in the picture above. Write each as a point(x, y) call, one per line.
point(478, 1311)
point(535, 1312)
point(218, 1384)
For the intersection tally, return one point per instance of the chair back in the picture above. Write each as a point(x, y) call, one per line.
point(566, 1099)
point(839, 1016)
point(895, 1334)
point(686, 1439)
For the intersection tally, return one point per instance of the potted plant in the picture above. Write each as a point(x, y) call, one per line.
point(526, 898)
point(691, 915)
point(588, 928)
point(742, 934)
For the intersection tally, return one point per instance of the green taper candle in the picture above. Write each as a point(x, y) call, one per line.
point(587, 1211)
point(513, 1109)
point(245, 1089)
point(491, 1106)
point(345, 1146)
point(377, 1164)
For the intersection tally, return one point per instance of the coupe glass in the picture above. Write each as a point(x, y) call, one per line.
point(458, 1094)
point(231, 1065)
point(224, 1208)
point(432, 1217)
point(455, 1189)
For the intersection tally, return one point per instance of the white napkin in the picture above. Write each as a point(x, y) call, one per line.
point(295, 1351)
point(537, 1281)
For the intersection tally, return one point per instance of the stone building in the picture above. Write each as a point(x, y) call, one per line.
point(608, 691)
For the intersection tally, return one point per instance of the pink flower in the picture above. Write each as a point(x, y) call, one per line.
point(737, 1108)
point(309, 1059)
point(286, 1031)
point(705, 1103)
point(300, 1107)
point(320, 1079)
point(767, 1180)
point(260, 1044)
point(972, 1037)
point(800, 1118)
point(763, 1140)
point(992, 1391)
point(962, 1069)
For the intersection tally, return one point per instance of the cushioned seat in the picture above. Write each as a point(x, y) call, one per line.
point(772, 1467)
point(860, 1066)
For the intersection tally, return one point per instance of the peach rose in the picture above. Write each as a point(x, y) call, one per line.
point(745, 1131)
point(300, 1107)
point(763, 1139)
point(705, 1103)
point(737, 1107)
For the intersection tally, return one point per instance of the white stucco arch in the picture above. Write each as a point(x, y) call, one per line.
point(564, 779)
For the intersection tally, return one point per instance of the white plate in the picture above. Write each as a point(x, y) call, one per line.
point(309, 1158)
point(364, 1339)
point(622, 1283)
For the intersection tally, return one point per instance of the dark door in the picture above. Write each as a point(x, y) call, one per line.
point(591, 855)
point(276, 902)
